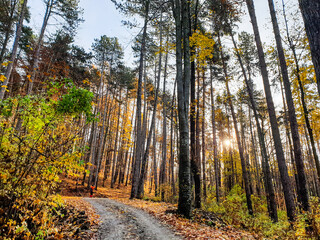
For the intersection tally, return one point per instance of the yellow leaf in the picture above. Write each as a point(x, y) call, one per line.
point(2, 78)
point(29, 78)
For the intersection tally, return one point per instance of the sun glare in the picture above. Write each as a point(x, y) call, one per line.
point(227, 142)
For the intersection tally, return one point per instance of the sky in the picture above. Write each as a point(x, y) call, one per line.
point(102, 18)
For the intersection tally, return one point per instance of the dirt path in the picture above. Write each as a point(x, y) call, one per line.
point(120, 221)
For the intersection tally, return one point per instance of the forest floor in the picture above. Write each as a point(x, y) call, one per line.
point(112, 207)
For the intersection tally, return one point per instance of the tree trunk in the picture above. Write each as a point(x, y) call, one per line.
point(303, 192)
point(183, 83)
point(8, 28)
point(195, 168)
point(289, 143)
point(102, 134)
point(171, 143)
point(214, 137)
point(310, 10)
point(204, 137)
point(114, 161)
point(155, 165)
point(14, 50)
point(138, 150)
point(235, 123)
point(146, 153)
point(162, 175)
point(302, 94)
point(287, 189)
point(255, 160)
point(36, 60)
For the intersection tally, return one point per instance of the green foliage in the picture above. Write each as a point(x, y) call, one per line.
point(307, 224)
point(37, 143)
point(152, 199)
point(108, 49)
point(78, 100)
point(6, 108)
point(233, 211)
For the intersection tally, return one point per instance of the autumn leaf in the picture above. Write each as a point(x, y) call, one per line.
point(2, 78)
point(29, 78)
point(5, 63)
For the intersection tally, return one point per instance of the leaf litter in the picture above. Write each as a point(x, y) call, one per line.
point(195, 228)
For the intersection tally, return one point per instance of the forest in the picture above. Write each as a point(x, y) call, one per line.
point(216, 124)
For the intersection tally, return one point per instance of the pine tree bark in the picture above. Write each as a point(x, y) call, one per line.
point(203, 137)
point(285, 180)
point(138, 150)
point(115, 152)
point(193, 103)
point(196, 165)
point(163, 176)
point(254, 153)
point(95, 140)
point(289, 141)
point(302, 94)
point(214, 138)
point(183, 84)
point(303, 192)
point(146, 152)
point(102, 134)
point(310, 10)
point(155, 165)
point(172, 126)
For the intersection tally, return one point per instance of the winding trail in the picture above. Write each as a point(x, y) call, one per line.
point(120, 221)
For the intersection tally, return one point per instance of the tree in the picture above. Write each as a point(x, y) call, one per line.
point(288, 194)
point(214, 136)
point(69, 11)
point(235, 125)
point(303, 193)
point(139, 145)
point(14, 50)
point(9, 15)
point(298, 74)
point(146, 152)
point(180, 13)
point(194, 156)
point(226, 12)
point(107, 50)
point(248, 52)
point(311, 16)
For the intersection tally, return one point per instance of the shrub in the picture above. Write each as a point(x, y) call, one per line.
point(37, 142)
point(233, 210)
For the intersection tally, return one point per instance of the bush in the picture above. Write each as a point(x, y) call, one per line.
point(37, 143)
point(233, 210)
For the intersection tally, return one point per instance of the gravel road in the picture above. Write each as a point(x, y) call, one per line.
point(120, 221)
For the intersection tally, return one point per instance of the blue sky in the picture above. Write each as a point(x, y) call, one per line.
point(101, 18)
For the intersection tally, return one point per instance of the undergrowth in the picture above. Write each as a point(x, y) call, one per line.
point(38, 141)
point(233, 211)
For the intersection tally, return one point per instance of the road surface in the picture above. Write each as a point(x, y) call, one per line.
point(120, 221)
